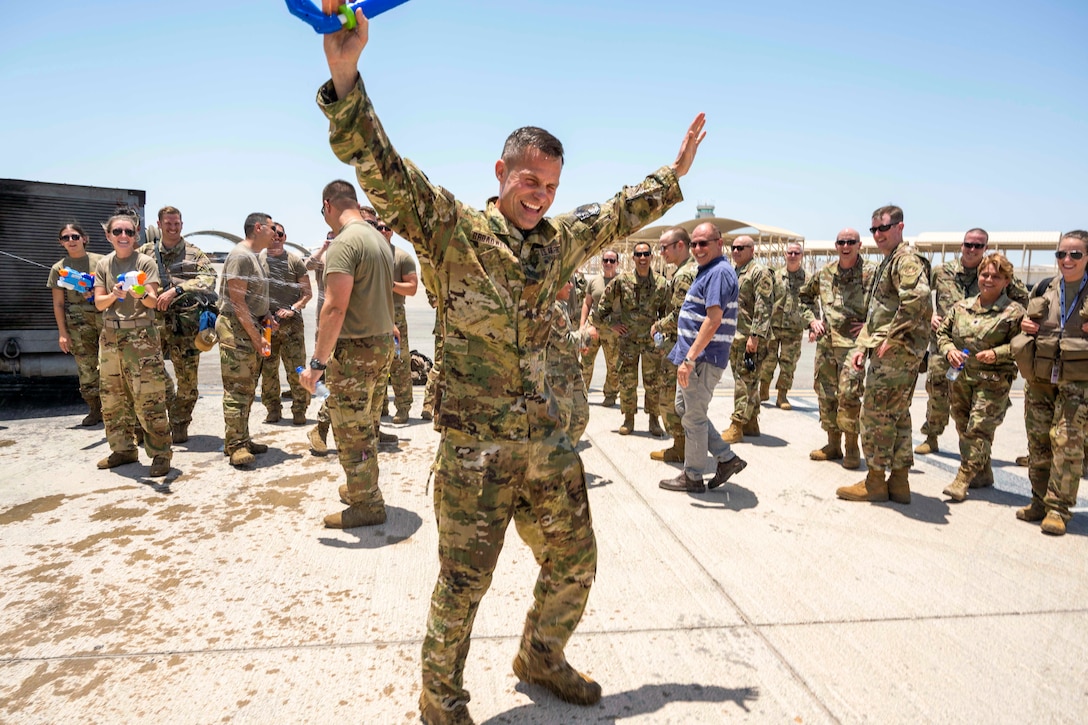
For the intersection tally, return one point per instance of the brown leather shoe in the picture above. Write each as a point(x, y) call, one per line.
point(725, 471)
point(119, 459)
point(559, 678)
point(682, 483)
point(353, 517)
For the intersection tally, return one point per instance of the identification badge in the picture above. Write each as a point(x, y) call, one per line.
point(1054, 374)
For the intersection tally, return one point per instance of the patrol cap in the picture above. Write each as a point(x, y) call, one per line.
point(205, 339)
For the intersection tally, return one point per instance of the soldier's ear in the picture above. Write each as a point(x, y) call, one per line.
point(500, 170)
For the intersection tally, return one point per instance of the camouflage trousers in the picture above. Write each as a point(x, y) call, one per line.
point(185, 357)
point(627, 359)
point(783, 352)
point(356, 373)
point(979, 402)
point(611, 353)
point(132, 386)
point(572, 406)
point(838, 388)
point(939, 390)
point(479, 486)
point(1056, 417)
point(885, 409)
point(400, 371)
point(432, 394)
point(84, 331)
point(745, 381)
point(288, 345)
point(240, 367)
point(669, 416)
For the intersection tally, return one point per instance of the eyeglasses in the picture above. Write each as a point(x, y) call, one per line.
point(739, 247)
point(609, 261)
point(794, 254)
point(379, 226)
point(881, 228)
point(642, 254)
point(974, 245)
point(71, 237)
point(124, 232)
point(846, 242)
point(1060, 254)
point(702, 243)
point(665, 247)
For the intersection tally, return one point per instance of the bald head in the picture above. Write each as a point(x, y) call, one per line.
point(848, 245)
point(744, 248)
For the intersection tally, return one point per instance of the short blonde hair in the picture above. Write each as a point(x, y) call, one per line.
point(998, 261)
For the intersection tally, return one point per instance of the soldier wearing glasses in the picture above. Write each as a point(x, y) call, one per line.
point(610, 267)
point(784, 346)
point(893, 340)
point(753, 329)
point(951, 282)
point(630, 306)
point(833, 308)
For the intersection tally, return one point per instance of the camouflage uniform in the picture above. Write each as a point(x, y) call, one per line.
point(678, 290)
point(1056, 414)
point(502, 445)
point(187, 268)
point(838, 297)
point(132, 374)
point(754, 305)
point(636, 302)
point(289, 339)
point(400, 372)
point(606, 339)
point(980, 395)
point(951, 283)
point(432, 394)
point(565, 374)
point(84, 323)
point(899, 311)
point(787, 325)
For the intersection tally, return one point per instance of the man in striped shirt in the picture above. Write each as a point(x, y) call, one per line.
point(705, 329)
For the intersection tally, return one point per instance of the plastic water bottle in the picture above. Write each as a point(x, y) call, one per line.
point(320, 390)
point(954, 373)
point(659, 339)
point(396, 347)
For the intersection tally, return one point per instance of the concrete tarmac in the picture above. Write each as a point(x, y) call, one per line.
point(217, 596)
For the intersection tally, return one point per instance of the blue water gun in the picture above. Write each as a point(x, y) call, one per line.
point(345, 18)
point(81, 282)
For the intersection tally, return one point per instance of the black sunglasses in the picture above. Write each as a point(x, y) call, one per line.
point(974, 245)
point(379, 226)
point(703, 243)
point(845, 242)
point(1060, 254)
point(71, 237)
point(609, 261)
point(738, 247)
point(881, 228)
point(124, 232)
point(794, 254)
point(642, 254)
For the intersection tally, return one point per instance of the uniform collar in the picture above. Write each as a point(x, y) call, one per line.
point(543, 233)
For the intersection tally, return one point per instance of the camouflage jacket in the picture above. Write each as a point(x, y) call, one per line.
point(898, 306)
point(634, 301)
point(972, 325)
point(564, 344)
point(496, 284)
point(951, 283)
point(786, 311)
point(837, 296)
point(755, 300)
point(678, 290)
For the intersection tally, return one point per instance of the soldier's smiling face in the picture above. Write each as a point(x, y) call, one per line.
point(527, 187)
point(170, 224)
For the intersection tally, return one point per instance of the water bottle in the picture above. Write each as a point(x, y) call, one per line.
point(954, 373)
point(396, 348)
point(320, 390)
point(659, 339)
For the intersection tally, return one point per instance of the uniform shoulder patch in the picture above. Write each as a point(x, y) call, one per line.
point(587, 212)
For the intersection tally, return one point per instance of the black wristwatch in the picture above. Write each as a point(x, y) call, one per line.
point(315, 365)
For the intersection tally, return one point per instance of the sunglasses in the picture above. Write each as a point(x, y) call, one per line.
point(739, 247)
point(609, 261)
point(71, 237)
point(379, 226)
point(642, 254)
point(881, 228)
point(1061, 253)
point(793, 254)
point(974, 245)
point(846, 242)
point(670, 245)
point(704, 243)
point(281, 234)
point(123, 232)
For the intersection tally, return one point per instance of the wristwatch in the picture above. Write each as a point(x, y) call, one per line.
point(689, 361)
point(178, 291)
point(315, 365)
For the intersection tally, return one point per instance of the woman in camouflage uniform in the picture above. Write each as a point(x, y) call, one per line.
point(984, 325)
point(78, 321)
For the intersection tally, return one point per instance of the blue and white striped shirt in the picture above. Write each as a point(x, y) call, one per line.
point(715, 285)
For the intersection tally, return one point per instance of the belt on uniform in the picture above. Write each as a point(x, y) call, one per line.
point(127, 324)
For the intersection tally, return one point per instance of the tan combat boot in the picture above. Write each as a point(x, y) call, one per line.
point(1054, 524)
point(558, 677)
point(957, 490)
point(317, 439)
point(781, 402)
point(94, 415)
point(851, 459)
point(433, 714)
point(873, 488)
point(751, 428)
point(119, 459)
point(1035, 511)
point(179, 433)
point(655, 427)
point(929, 446)
point(354, 517)
point(829, 452)
point(898, 487)
point(671, 455)
point(764, 391)
point(242, 457)
point(628, 424)
point(733, 433)
point(983, 478)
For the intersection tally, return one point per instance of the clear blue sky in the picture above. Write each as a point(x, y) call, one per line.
point(964, 113)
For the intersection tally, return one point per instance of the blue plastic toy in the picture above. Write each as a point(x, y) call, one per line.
point(81, 282)
point(326, 24)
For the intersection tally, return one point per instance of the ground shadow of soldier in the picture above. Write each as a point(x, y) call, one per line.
point(399, 526)
point(765, 440)
point(595, 481)
point(621, 705)
point(729, 497)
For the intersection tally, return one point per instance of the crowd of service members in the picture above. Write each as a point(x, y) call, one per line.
point(979, 325)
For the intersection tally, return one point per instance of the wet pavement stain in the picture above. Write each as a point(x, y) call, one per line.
point(114, 513)
point(23, 511)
